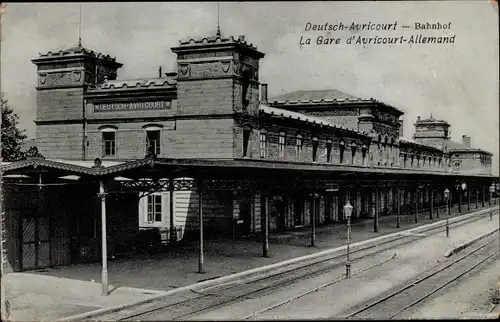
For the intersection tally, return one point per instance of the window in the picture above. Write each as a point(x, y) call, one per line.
point(154, 208)
point(109, 143)
point(353, 152)
point(405, 156)
point(153, 141)
point(263, 144)
point(342, 146)
point(363, 153)
point(246, 139)
point(315, 149)
point(281, 144)
point(298, 146)
point(328, 150)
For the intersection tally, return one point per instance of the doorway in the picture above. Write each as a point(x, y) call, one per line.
point(35, 245)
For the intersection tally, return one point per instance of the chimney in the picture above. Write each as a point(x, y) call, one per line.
point(418, 118)
point(263, 93)
point(466, 140)
point(241, 38)
point(159, 72)
point(401, 128)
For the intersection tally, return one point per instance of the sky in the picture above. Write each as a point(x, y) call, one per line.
point(457, 82)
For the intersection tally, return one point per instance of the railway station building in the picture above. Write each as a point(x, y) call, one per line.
point(204, 147)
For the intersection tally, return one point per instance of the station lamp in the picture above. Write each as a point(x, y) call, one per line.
point(447, 198)
point(348, 212)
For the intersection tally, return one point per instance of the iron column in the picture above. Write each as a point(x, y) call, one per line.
point(200, 218)
point(104, 273)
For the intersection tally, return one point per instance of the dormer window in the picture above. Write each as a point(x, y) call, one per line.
point(298, 146)
point(328, 150)
point(281, 145)
point(246, 139)
point(263, 143)
point(353, 152)
point(314, 148)
point(364, 148)
point(342, 147)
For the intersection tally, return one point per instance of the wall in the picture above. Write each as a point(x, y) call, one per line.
point(59, 104)
point(471, 162)
point(203, 138)
point(60, 141)
point(130, 139)
point(217, 213)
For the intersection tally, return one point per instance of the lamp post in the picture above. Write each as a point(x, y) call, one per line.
point(348, 212)
point(464, 186)
point(492, 189)
point(447, 199)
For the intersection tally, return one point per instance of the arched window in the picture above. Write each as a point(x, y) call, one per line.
point(342, 147)
point(298, 146)
point(328, 150)
point(153, 138)
point(263, 143)
point(108, 134)
point(246, 139)
point(281, 145)
point(353, 152)
point(315, 144)
point(363, 153)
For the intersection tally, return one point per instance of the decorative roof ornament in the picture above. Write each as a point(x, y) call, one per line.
point(218, 33)
point(98, 163)
point(33, 153)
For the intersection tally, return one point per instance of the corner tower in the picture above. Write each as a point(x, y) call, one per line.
point(63, 78)
point(217, 75)
point(432, 132)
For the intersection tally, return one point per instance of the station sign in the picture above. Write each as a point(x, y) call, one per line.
point(132, 106)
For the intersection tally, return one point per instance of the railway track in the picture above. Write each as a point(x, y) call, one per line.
point(219, 296)
point(392, 305)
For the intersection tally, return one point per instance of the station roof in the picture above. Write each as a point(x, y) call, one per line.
point(459, 147)
point(322, 97)
point(77, 50)
point(212, 169)
point(305, 118)
point(404, 140)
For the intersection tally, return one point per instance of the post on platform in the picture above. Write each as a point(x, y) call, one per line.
point(200, 218)
point(468, 196)
point(492, 190)
point(447, 199)
point(313, 220)
point(431, 202)
point(173, 235)
point(477, 197)
point(484, 195)
point(459, 189)
point(375, 219)
point(438, 201)
point(104, 250)
point(398, 219)
point(265, 222)
point(348, 212)
point(416, 204)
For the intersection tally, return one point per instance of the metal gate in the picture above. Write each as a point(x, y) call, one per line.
point(35, 246)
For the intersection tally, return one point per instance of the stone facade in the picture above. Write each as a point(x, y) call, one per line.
point(212, 108)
